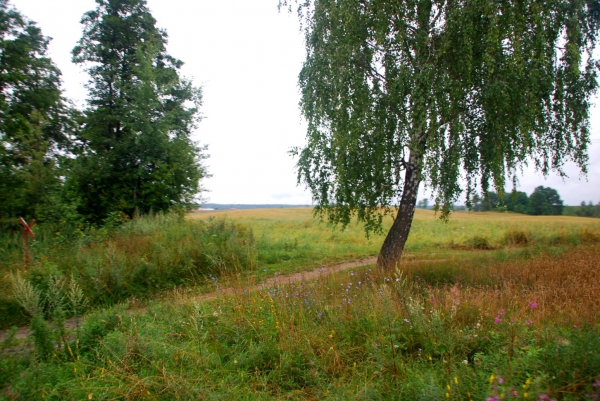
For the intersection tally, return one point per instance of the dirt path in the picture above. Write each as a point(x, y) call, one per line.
point(286, 279)
point(24, 332)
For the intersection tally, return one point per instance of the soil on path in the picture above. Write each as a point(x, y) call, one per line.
point(24, 332)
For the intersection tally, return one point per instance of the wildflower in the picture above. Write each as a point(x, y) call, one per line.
point(501, 312)
point(448, 387)
point(455, 380)
point(465, 362)
point(447, 395)
point(529, 322)
point(500, 380)
point(492, 377)
point(533, 305)
point(497, 320)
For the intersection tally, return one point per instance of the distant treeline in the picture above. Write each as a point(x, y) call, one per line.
point(583, 210)
point(542, 201)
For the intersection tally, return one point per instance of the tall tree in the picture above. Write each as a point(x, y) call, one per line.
point(453, 93)
point(138, 154)
point(545, 201)
point(517, 202)
point(35, 121)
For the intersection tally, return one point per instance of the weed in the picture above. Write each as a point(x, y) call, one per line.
point(25, 294)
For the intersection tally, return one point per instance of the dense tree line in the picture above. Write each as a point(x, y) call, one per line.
point(542, 201)
point(129, 151)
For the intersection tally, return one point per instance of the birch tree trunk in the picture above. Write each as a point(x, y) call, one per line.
point(393, 246)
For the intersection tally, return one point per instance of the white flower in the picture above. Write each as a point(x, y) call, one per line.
point(215, 313)
point(466, 362)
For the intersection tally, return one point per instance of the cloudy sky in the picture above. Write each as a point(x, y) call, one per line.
point(246, 55)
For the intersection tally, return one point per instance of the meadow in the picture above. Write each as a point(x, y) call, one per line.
point(488, 306)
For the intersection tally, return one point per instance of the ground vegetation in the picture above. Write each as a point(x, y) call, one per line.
point(514, 321)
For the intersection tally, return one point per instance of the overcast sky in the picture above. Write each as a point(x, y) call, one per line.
point(246, 55)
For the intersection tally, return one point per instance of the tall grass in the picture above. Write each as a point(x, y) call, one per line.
point(499, 330)
point(135, 259)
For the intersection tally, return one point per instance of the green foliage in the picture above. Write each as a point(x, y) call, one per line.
point(545, 201)
point(441, 90)
point(490, 201)
point(36, 125)
point(517, 202)
point(138, 156)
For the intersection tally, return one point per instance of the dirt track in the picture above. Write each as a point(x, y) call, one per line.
point(23, 332)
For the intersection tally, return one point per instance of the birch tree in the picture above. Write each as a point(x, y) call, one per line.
point(455, 95)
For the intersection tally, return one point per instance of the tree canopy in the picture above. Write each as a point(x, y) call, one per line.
point(138, 154)
point(456, 94)
point(545, 201)
point(35, 121)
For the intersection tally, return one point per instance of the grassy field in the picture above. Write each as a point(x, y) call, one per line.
point(291, 239)
point(486, 307)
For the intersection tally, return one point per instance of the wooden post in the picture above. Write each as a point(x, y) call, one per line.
point(26, 234)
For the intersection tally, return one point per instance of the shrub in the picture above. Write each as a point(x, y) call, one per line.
point(515, 237)
point(479, 242)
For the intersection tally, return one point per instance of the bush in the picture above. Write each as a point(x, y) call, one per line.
point(479, 242)
point(515, 237)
